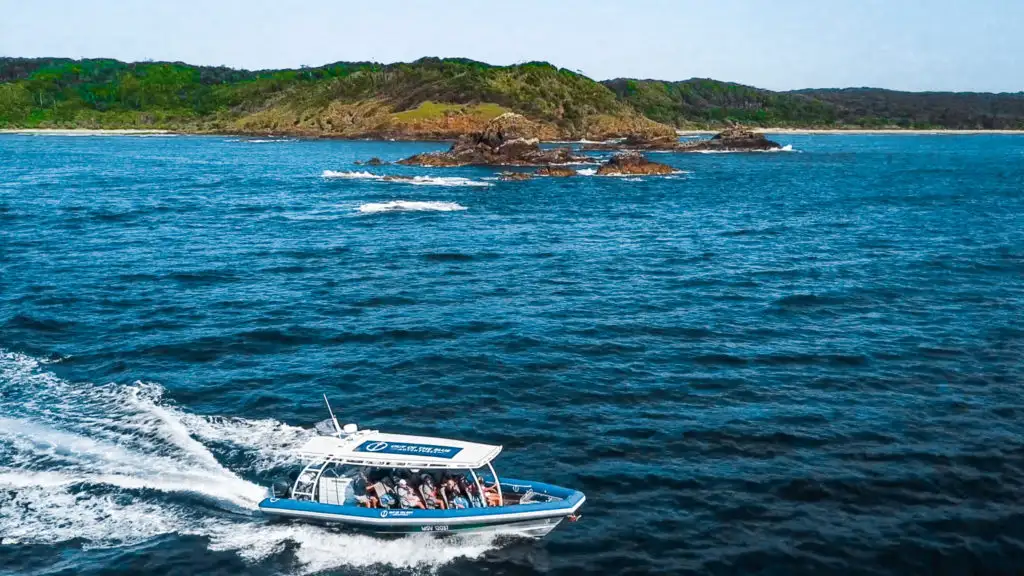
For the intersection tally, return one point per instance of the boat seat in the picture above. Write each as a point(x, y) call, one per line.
point(383, 495)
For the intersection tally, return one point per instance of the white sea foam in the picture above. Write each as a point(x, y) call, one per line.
point(415, 180)
point(352, 175)
point(87, 462)
point(443, 181)
point(587, 171)
point(409, 206)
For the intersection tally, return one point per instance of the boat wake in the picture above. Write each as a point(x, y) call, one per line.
point(112, 465)
point(413, 180)
point(409, 206)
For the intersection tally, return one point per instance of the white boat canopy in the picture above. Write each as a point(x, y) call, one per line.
point(372, 448)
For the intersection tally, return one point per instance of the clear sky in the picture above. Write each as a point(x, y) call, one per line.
point(902, 44)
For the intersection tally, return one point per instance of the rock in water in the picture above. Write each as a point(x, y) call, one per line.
point(514, 176)
point(632, 163)
point(375, 162)
point(508, 140)
point(732, 139)
point(506, 128)
point(556, 171)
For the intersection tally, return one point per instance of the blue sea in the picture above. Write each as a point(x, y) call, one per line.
point(803, 362)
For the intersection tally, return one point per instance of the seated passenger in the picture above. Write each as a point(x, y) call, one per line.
point(407, 497)
point(492, 494)
point(454, 495)
point(429, 493)
point(471, 491)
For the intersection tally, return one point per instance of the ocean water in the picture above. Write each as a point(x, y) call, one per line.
point(806, 362)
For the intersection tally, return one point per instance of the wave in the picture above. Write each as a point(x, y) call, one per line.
point(94, 464)
point(414, 180)
point(587, 171)
point(409, 206)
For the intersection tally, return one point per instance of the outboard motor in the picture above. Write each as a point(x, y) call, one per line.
point(282, 488)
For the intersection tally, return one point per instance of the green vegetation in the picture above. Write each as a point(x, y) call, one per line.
point(428, 111)
point(336, 99)
point(434, 97)
point(709, 103)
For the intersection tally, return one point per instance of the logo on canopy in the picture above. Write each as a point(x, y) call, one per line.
point(408, 449)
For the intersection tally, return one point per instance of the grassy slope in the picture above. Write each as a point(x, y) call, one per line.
point(702, 102)
point(427, 98)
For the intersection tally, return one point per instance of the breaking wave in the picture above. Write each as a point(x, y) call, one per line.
point(113, 465)
point(409, 206)
point(414, 180)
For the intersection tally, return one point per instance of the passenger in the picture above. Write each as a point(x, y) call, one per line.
point(471, 491)
point(492, 494)
point(454, 495)
point(407, 497)
point(429, 493)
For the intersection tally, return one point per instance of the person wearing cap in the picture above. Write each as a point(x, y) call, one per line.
point(407, 497)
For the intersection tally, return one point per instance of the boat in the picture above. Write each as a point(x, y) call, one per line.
point(384, 483)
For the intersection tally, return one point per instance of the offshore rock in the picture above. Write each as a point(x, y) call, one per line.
point(632, 163)
point(508, 140)
point(732, 139)
point(514, 176)
point(556, 171)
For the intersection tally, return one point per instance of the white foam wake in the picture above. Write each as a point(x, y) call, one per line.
point(414, 180)
point(111, 465)
point(409, 206)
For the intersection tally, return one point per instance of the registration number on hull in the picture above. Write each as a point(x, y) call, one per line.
point(435, 528)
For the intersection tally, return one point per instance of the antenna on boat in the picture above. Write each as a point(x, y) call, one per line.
point(337, 427)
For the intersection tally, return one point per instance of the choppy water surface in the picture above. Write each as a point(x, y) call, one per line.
point(796, 363)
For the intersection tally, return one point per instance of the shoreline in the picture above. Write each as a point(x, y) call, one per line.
point(86, 131)
point(840, 131)
point(788, 131)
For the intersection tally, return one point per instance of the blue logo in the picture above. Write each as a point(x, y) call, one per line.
point(406, 449)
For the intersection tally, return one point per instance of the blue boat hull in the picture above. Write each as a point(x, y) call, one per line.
point(534, 519)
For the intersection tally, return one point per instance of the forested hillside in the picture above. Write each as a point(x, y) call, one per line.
point(443, 98)
point(710, 102)
point(429, 97)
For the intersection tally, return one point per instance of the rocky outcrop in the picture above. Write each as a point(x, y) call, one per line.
point(732, 139)
point(508, 140)
point(636, 142)
point(371, 162)
point(556, 171)
point(632, 163)
point(514, 176)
